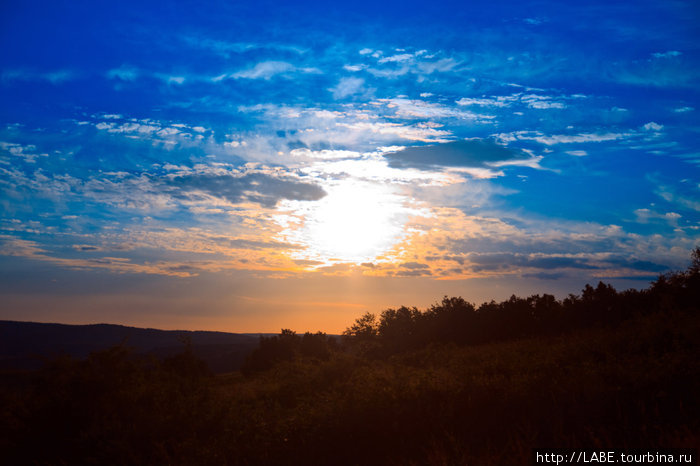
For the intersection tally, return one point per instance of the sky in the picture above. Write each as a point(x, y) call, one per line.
point(251, 166)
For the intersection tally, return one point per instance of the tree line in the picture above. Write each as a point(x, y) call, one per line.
point(455, 320)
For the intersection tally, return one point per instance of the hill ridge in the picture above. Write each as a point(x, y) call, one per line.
point(26, 344)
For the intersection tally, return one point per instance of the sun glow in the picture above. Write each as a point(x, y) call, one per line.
point(355, 222)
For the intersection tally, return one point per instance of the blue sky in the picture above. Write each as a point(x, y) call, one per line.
point(255, 166)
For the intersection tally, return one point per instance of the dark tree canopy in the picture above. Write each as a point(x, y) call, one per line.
point(455, 320)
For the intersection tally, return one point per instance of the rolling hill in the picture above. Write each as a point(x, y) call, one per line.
point(25, 345)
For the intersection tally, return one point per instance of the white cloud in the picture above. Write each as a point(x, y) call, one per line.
point(354, 68)
point(535, 21)
point(226, 49)
point(389, 73)
point(535, 101)
point(374, 167)
point(268, 69)
point(669, 54)
point(478, 173)
point(127, 127)
point(541, 102)
point(442, 65)
point(418, 132)
point(662, 69)
point(264, 70)
point(415, 108)
point(158, 132)
point(403, 57)
point(652, 126)
point(418, 63)
point(27, 152)
point(324, 154)
point(60, 76)
point(646, 215)
point(532, 162)
point(175, 79)
point(234, 144)
point(483, 102)
point(561, 138)
point(361, 126)
point(670, 195)
point(124, 73)
point(347, 87)
point(54, 77)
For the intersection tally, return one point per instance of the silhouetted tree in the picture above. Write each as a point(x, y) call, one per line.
point(398, 329)
point(452, 320)
point(285, 347)
point(317, 345)
point(546, 313)
point(362, 336)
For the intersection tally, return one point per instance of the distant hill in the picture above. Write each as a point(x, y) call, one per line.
point(25, 345)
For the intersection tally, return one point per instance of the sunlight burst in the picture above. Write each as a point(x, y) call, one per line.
point(355, 222)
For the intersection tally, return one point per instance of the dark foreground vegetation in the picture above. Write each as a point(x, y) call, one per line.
point(450, 385)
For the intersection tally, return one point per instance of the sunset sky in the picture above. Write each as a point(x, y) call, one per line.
point(249, 166)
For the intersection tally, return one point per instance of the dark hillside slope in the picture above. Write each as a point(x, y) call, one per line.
point(23, 345)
